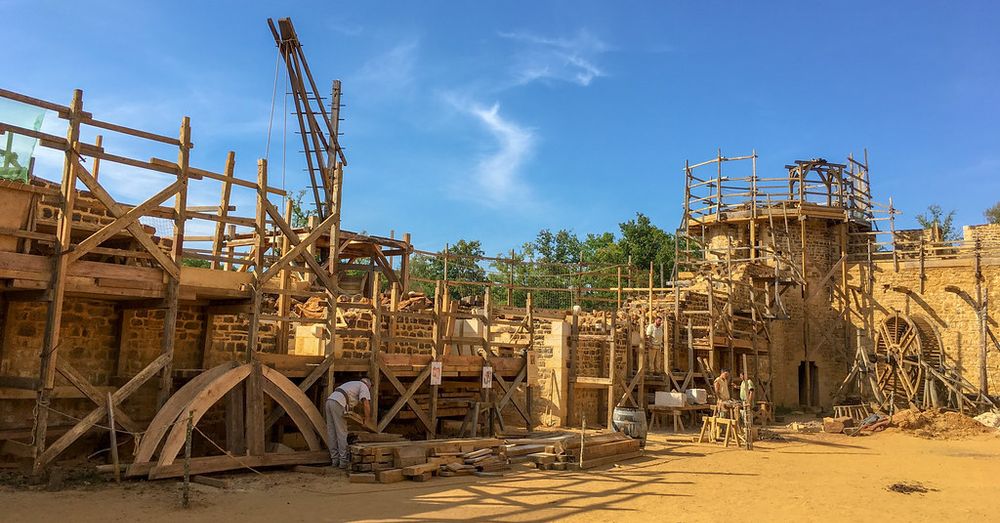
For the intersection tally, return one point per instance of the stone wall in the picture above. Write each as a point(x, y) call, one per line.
point(988, 234)
point(814, 331)
point(947, 304)
point(592, 360)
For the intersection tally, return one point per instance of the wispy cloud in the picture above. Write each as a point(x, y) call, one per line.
point(347, 29)
point(388, 73)
point(497, 174)
point(559, 59)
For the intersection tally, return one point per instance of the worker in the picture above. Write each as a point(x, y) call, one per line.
point(746, 396)
point(654, 344)
point(746, 389)
point(343, 400)
point(721, 387)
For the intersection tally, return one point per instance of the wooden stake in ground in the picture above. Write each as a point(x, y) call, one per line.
point(114, 439)
point(186, 493)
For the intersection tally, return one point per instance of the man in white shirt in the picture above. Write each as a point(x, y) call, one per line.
point(343, 400)
point(654, 344)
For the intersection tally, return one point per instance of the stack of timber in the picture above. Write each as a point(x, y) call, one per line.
point(597, 449)
point(388, 462)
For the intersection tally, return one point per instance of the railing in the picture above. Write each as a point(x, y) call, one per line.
point(713, 196)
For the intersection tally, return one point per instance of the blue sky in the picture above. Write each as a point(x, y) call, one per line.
point(491, 120)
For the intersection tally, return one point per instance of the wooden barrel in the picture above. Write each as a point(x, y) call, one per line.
point(631, 422)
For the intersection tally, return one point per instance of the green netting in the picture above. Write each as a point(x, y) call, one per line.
point(16, 149)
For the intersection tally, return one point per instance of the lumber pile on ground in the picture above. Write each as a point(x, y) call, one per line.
point(597, 449)
point(389, 462)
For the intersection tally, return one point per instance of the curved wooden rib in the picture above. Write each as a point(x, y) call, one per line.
point(172, 409)
point(295, 412)
point(198, 406)
point(308, 416)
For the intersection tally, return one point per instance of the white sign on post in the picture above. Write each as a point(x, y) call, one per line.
point(487, 377)
point(436, 372)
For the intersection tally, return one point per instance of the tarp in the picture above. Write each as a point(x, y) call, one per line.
point(15, 149)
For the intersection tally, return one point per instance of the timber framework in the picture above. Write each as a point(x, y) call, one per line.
point(118, 322)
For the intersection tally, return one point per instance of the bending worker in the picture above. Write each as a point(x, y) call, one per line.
point(343, 400)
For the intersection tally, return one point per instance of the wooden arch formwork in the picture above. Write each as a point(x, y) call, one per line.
point(170, 429)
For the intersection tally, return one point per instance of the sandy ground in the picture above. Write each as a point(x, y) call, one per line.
point(808, 478)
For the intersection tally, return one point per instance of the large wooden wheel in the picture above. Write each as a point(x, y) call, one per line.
point(904, 347)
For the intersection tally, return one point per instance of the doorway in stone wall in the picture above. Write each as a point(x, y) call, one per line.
point(808, 383)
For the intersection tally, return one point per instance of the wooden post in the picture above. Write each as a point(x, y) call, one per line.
point(180, 210)
point(186, 495)
point(528, 388)
point(114, 439)
point(57, 285)
point(649, 303)
point(393, 310)
point(510, 285)
point(376, 346)
point(255, 411)
point(260, 226)
point(618, 301)
point(404, 264)
point(230, 249)
point(435, 356)
point(711, 324)
point(574, 342)
point(223, 212)
point(446, 267)
point(981, 313)
point(613, 350)
point(284, 282)
point(95, 167)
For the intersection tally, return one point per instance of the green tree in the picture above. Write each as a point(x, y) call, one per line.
point(191, 262)
point(462, 266)
point(944, 221)
point(300, 212)
point(992, 214)
point(646, 243)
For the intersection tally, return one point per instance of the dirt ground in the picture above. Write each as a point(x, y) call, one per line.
point(815, 477)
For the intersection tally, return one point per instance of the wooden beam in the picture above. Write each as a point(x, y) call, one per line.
point(128, 218)
point(99, 413)
point(406, 396)
point(227, 187)
point(80, 382)
point(116, 210)
point(53, 320)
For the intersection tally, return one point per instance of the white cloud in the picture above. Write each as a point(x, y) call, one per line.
point(557, 59)
point(497, 174)
point(387, 73)
point(347, 29)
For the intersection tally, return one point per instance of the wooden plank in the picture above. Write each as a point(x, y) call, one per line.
point(416, 470)
point(620, 458)
point(223, 463)
point(211, 482)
